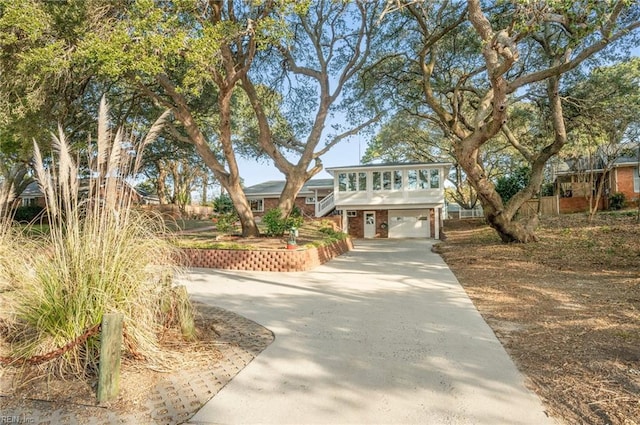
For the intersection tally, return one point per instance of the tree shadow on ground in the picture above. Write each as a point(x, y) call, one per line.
point(382, 332)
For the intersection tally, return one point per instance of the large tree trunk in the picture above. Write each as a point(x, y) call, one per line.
point(243, 208)
point(161, 183)
point(292, 187)
point(499, 217)
point(230, 179)
point(322, 61)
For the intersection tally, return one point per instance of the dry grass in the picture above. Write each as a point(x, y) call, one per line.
point(99, 256)
point(567, 309)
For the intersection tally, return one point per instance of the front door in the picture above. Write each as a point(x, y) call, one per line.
point(369, 224)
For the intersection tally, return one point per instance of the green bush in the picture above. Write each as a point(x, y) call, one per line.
point(223, 204)
point(28, 213)
point(617, 201)
point(226, 223)
point(547, 189)
point(295, 212)
point(507, 186)
point(333, 236)
point(295, 219)
point(277, 226)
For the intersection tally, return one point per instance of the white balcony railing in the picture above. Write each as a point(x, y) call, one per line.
point(325, 205)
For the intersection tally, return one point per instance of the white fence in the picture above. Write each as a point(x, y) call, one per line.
point(473, 213)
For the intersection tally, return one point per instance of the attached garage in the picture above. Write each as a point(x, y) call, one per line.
point(409, 224)
point(390, 200)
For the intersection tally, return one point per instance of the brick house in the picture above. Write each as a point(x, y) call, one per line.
point(575, 185)
point(374, 201)
point(32, 195)
point(264, 196)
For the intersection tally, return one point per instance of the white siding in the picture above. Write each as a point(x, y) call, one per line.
point(402, 190)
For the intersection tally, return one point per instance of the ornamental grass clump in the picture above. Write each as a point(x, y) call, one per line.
point(100, 255)
point(13, 245)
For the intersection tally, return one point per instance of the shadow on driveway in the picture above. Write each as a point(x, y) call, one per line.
point(382, 334)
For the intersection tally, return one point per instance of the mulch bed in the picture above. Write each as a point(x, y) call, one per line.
point(567, 308)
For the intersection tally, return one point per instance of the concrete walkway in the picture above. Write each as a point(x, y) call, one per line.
point(382, 335)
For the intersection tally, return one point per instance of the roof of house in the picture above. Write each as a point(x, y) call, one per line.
point(402, 165)
point(31, 191)
point(626, 160)
point(606, 156)
point(574, 166)
point(275, 187)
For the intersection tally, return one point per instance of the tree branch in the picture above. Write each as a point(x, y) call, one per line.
point(342, 136)
point(570, 64)
point(516, 144)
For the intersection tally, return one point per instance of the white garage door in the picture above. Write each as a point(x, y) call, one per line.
point(409, 224)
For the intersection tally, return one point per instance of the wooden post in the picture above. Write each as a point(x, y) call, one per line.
point(110, 345)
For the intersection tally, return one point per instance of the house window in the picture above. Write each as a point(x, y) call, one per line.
point(412, 179)
point(257, 205)
point(435, 179)
point(362, 182)
point(28, 202)
point(397, 180)
point(310, 200)
point(636, 179)
point(386, 180)
point(423, 179)
point(352, 213)
point(377, 185)
point(351, 182)
point(342, 182)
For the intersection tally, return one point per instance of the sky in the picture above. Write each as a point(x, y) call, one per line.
point(347, 152)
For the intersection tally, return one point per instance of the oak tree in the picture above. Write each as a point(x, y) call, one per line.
point(472, 60)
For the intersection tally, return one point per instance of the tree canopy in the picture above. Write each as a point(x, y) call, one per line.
point(465, 65)
point(494, 86)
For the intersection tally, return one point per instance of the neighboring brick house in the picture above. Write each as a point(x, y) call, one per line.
point(33, 196)
point(575, 188)
point(375, 201)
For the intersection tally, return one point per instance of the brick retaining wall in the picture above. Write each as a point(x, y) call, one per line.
point(282, 260)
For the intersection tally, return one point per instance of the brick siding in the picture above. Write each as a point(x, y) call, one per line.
point(356, 224)
point(577, 204)
point(624, 182)
point(308, 210)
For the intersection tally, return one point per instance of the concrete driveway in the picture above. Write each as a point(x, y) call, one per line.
point(381, 335)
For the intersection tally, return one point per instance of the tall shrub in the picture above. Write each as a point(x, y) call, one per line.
point(276, 225)
point(617, 201)
point(101, 255)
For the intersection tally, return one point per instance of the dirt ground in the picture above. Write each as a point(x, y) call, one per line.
point(160, 391)
point(567, 309)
